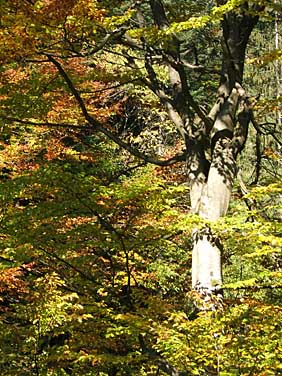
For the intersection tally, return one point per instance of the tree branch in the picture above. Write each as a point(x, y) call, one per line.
point(245, 116)
point(98, 126)
point(110, 135)
point(110, 37)
point(69, 265)
point(254, 288)
point(46, 124)
point(262, 130)
point(163, 364)
point(178, 78)
point(73, 90)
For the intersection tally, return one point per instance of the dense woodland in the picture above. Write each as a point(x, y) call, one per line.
point(140, 187)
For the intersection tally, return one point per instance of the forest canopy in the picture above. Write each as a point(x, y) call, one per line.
point(140, 187)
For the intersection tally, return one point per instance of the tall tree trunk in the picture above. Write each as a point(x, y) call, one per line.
point(210, 181)
point(213, 200)
point(211, 188)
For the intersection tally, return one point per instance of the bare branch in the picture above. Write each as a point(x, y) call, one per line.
point(110, 37)
point(261, 129)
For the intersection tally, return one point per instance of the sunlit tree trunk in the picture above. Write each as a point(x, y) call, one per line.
point(225, 127)
point(211, 187)
point(210, 200)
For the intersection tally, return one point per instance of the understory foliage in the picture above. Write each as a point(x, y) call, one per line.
point(96, 265)
point(95, 244)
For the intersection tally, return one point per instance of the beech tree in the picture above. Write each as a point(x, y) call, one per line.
point(220, 133)
point(159, 56)
point(96, 242)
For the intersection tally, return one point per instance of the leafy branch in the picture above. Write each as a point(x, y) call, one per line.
point(96, 125)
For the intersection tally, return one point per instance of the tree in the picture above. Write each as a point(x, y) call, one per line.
point(95, 271)
point(212, 139)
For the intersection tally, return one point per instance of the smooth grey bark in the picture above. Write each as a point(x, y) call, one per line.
point(210, 197)
point(223, 130)
point(214, 197)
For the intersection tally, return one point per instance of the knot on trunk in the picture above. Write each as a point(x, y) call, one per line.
point(206, 233)
point(208, 300)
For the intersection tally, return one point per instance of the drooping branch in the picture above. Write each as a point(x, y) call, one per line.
point(137, 153)
point(94, 124)
point(109, 38)
point(46, 124)
point(73, 90)
point(147, 159)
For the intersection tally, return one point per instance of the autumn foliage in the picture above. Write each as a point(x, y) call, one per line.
point(95, 243)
